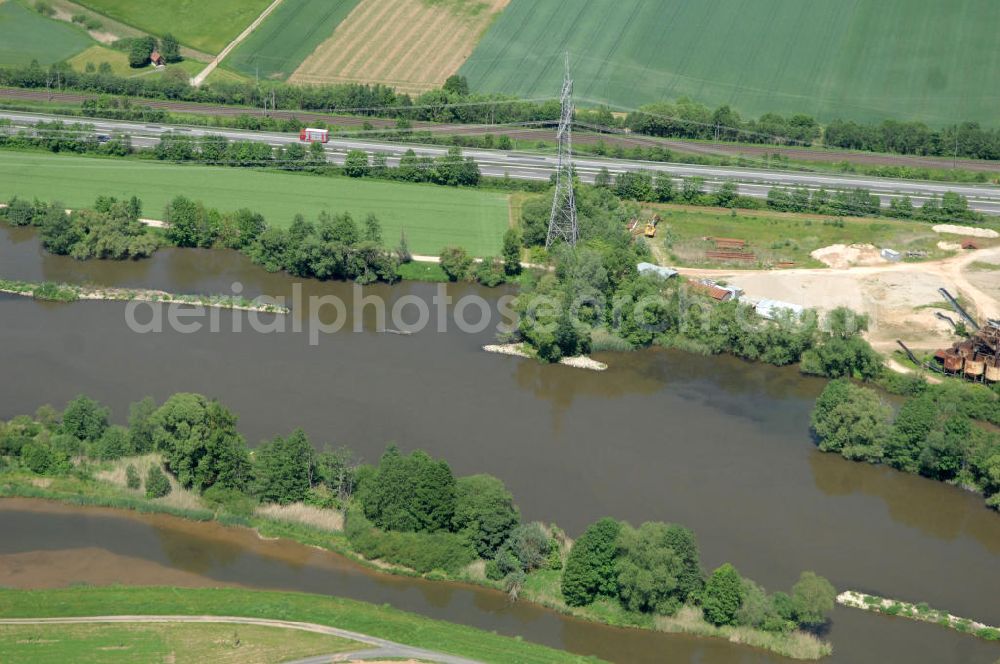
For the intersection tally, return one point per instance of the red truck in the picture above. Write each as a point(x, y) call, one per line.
point(314, 135)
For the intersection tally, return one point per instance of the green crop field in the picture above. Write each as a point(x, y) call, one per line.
point(931, 60)
point(26, 35)
point(288, 36)
point(433, 216)
point(207, 25)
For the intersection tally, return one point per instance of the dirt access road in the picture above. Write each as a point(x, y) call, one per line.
point(381, 649)
point(898, 297)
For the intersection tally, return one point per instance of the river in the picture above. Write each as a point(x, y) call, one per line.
point(717, 444)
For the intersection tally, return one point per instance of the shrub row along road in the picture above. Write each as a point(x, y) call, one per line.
point(380, 648)
point(533, 135)
point(497, 163)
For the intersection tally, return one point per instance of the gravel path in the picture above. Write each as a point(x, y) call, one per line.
point(380, 648)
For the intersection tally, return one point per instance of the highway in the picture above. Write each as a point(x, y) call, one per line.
point(750, 181)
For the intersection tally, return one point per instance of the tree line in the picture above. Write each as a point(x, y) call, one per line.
point(408, 509)
point(455, 103)
point(935, 433)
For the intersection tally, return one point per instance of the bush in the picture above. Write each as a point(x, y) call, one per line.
point(231, 501)
point(157, 484)
point(132, 479)
point(529, 545)
point(422, 552)
point(456, 263)
point(40, 458)
point(113, 444)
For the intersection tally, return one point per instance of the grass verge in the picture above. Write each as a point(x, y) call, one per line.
point(380, 621)
point(179, 643)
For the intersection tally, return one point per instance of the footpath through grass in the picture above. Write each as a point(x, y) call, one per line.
point(207, 25)
point(432, 216)
point(179, 643)
point(26, 35)
point(380, 621)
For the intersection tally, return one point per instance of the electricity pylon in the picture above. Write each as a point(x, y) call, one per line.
point(562, 221)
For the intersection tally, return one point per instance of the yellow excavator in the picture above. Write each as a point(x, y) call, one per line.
point(651, 226)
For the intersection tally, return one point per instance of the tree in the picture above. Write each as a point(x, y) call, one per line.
point(356, 164)
point(691, 189)
point(157, 484)
point(603, 178)
point(648, 570)
point(170, 49)
point(140, 430)
point(485, 511)
point(85, 418)
point(191, 223)
point(723, 595)
point(283, 469)
point(529, 544)
point(851, 420)
point(456, 84)
point(812, 598)
point(140, 49)
point(58, 231)
point(590, 568)
point(373, 229)
point(663, 189)
point(200, 444)
point(512, 252)
point(403, 250)
point(132, 479)
point(456, 263)
point(113, 444)
point(412, 493)
point(690, 578)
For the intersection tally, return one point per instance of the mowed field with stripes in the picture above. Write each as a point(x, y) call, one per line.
point(412, 45)
point(932, 60)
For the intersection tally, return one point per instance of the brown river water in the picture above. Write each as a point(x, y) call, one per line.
point(717, 444)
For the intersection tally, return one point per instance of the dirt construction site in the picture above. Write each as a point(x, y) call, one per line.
point(901, 298)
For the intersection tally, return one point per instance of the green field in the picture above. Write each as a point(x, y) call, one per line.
point(207, 25)
point(186, 643)
point(381, 621)
point(775, 237)
point(433, 216)
point(26, 35)
point(931, 60)
point(288, 36)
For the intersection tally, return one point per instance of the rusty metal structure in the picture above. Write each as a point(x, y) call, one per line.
point(976, 358)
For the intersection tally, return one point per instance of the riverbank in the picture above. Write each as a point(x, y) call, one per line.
point(523, 350)
point(363, 619)
point(921, 612)
point(53, 292)
point(541, 588)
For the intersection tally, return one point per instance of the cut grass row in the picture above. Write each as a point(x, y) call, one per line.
point(179, 643)
point(432, 216)
point(26, 35)
point(863, 60)
point(207, 26)
point(288, 36)
point(380, 621)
